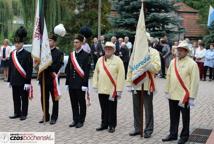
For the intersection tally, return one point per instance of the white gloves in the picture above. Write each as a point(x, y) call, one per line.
point(84, 88)
point(191, 103)
point(27, 87)
point(38, 82)
point(67, 87)
point(95, 90)
point(129, 88)
point(9, 85)
point(119, 94)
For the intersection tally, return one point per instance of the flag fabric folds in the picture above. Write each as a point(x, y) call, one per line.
point(40, 47)
point(140, 59)
point(210, 16)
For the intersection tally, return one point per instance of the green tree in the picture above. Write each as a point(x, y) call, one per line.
point(210, 37)
point(160, 17)
point(52, 12)
point(81, 13)
point(6, 17)
point(63, 11)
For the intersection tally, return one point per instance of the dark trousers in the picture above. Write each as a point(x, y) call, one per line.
point(206, 68)
point(20, 100)
point(55, 108)
point(175, 110)
point(78, 104)
point(108, 111)
point(95, 58)
point(163, 67)
point(148, 105)
point(126, 64)
point(201, 69)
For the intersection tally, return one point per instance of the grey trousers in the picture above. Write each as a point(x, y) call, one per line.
point(148, 106)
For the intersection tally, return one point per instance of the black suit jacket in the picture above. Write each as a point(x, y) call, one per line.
point(26, 61)
point(124, 54)
point(57, 62)
point(97, 48)
point(72, 78)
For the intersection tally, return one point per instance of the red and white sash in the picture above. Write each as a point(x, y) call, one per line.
point(185, 98)
point(142, 77)
point(21, 72)
point(111, 79)
point(18, 65)
point(76, 65)
point(56, 91)
point(152, 83)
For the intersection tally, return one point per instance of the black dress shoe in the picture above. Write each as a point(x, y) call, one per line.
point(169, 138)
point(182, 141)
point(101, 128)
point(79, 125)
point(42, 121)
point(73, 124)
point(134, 133)
point(23, 118)
point(111, 130)
point(53, 121)
point(146, 135)
point(14, 117)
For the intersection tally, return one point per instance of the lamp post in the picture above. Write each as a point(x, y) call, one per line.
point(99, 18)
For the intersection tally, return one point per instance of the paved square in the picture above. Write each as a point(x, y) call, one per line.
point(202, 116)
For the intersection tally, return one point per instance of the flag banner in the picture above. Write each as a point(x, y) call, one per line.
point(46, 58)
point(140, 59)
point(40, 47)
point(210, 16)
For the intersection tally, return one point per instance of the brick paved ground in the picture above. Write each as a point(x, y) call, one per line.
point(202, 116)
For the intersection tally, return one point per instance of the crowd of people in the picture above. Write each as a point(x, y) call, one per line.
point(203, 56)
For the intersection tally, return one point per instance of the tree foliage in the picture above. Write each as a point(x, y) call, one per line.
point(160, 17)
point(6, 17)
point(63, 11)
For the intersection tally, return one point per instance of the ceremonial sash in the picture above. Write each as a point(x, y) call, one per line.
point(152, 84)
point(142, 77)
point(18, 65)
point(56, 91)
point(76, 65)
point(21, 72)
point(111, 79)
point(185, 98)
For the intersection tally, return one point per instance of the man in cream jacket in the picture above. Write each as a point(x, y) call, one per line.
point(108, 80)
point(181, 87)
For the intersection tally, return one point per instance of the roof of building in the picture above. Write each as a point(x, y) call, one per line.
point(190, 21)
point(182, 7)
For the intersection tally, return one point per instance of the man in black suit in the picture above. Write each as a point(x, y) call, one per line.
point(51, 80)
point(124, 55)
point(77, 74)
point(20, 72)
point(96, 50)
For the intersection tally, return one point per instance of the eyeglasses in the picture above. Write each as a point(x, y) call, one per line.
point(76, 42)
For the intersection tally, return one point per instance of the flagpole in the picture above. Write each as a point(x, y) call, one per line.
point(43, 73)
point(43, 97)
point(141, 110)
point(142, 95)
